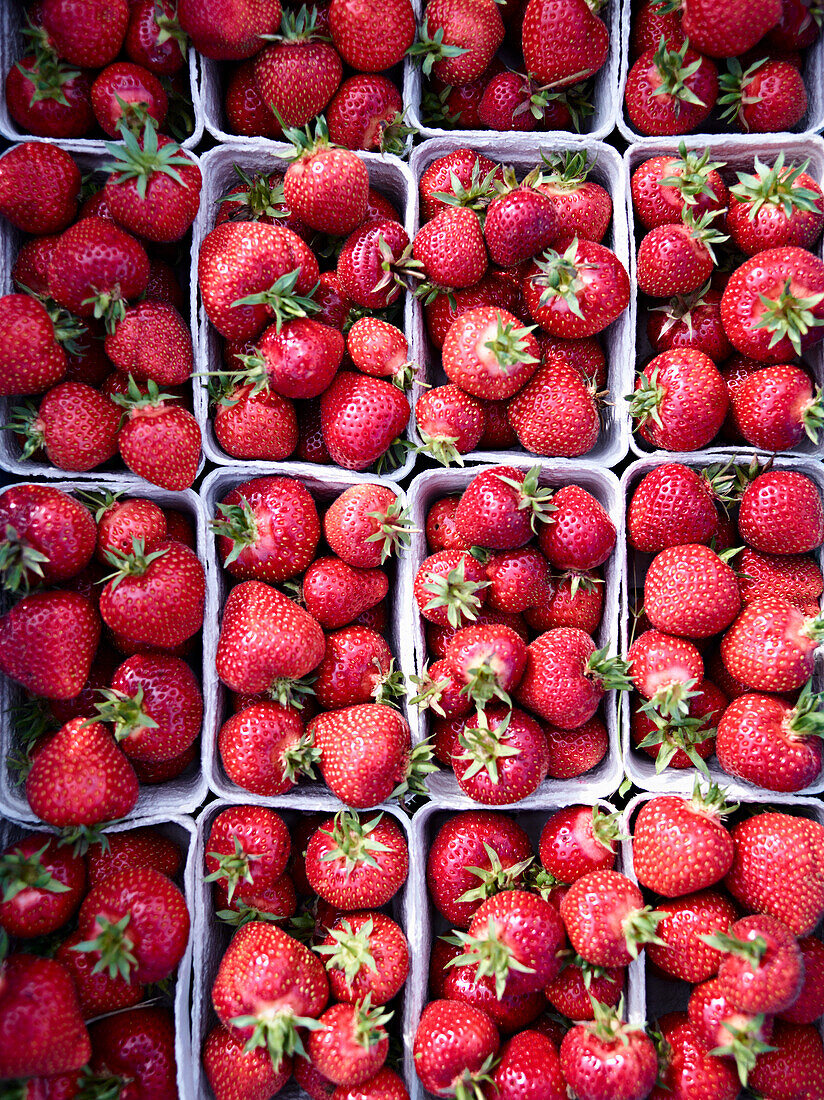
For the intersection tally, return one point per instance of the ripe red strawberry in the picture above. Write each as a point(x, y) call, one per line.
point(450, 423)
point(677, 258)
point(794, 1064)
point(789, 886)
point(42, 885)
point(555, 413)
point(351, 1045)
point(577, 840)
point(119, 522)
point(727, 1030)
point(781, 513)
point(367, 113)
point(501, 507)
point(255, 423)
point(326, 187)
point(136, 923)
point(367, 39)
point(378, 348)
point(685, 953)
point(775, 206)
point(365, 954)
point(51, 1041)
point(670, 89)
point(336, 594)
point(494, 289)
point(691, 591)
point(49, 98)
point(772, 304)
point(154, 38)
point(48, 536)
point(575, 600)
point(32, 357)
point(528, 1065)
point(97, 992)
point(680, 400)
point(75, 424)
point(578, 534)
point(81, 778)
point(263, 750)
point(355, 863)
point(357, 667)
point(488, 354)
point(268, 529)
point(128, 95)
point(450, 248)
point(39, 185)
point(136, 848)
point(567, 305)
point(155, 598)
point(769, 95)
point(152, 341)
point(473, 173)
point(450, 588)
point(582, 207)
point(247, 850)
point(608, 1058)
point(727, 33)
point(793, 577)
point(686, 1063)
point(810, 1003)
point(761, 969)
point(682, 845)
point(776, 407)
point(518, 579)
point(672, 505)
point(771, 646)
point(82, 33)
point(487, 661)
point(501, 756)
point(298, 73)
point(606, 920)
point(693, 321)
point(664, 670)
point(365, 525)
point(311, 1080)
point(159, 441)
point(48, 641)
point(571, 993)
point(665, 187)
point(458, 39)
point(563, 43)
point(234, 1073)
point(228, 32)
point(518, 224)
point(574, 752)
point(454, 1043)
point(361, 417)
point(372, 263)
point(566, 677)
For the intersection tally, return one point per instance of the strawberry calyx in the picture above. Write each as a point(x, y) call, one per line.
point(141, 158)
point(300, 759)
point(608, 1024)
point(496, 878)
point(350, 950)
point(611, 672)
point(20, 872)
point(640, 926)
point(134, 401)
point(403, 270)
point(298, 26)
point(690, 175)
point(352, 841)
point(712, 802)
point(580, 582)
point(454, 592)
point(291, 693)
point(680, 308)
point(814, 629)
point(589, 971)
point(124, 712)
point(671, 735)
point(543, 882)
point(20, 562)
point(744, 1045)
point(82, 837)
point(134, 564)
point(560, 276)
point(566, 171)
point(282, 301)
point(491, 956)
point(477, 196)
point(812, 415)
point(113, 946)
point(98, 502)
point(390, 685)
point(509, 344)
point(702, 229)
point(237, 523)
point(94, 1086)
point(260, 199)
point(244, 914)
point(278, 1032)
point(420, 763)
point(432, 48)
point(673, 74)
point(733, 85)
point(484, 746)
point(606, 827)
point(776, 186)
point(368, 1024)
point(753, 951)
point(234, 867)
point(645, 402)
point(532, 496)
point(475, 1086)
point(483, 684)
point(807, 718)
point(30, 720)
point(395, 134)
point(395, 529)
point(225, 385)
point(49, 74)
point(442, 448)
point(25, 422)
point(168, 27)
point(671, 701)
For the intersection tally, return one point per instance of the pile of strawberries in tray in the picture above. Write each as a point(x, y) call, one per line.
point(412, 550)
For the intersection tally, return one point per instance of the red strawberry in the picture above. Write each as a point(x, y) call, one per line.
point(326, 187)
point(564, 303)
point(501, 756)
point(691, 591)
point(769, 95)
point(781, 513)
point(606, 920)
point(335, 593)
point(97, 992)
point(357, 668)
point(771, 646)
point(518, 579)
point(48, 641)
point(367, 113)
point(50, 1041)
point(528, 1067)
point(136, 848)
point(664, 670)
point(693, 321)
point(298, 73)
point(75, 424)
point(49, 98)
point(155, 598)
point(727, 1030)
point(450, 248)
point(372, 263)
point(519, 224)
point(159, 441)
point(487, 661)
point(608, 1058)
point(454, 1045)
point(365, 525)
point(152, 341)
point(576, 600)
point(689, 1064)
point(810, 1003)
point(670, 89)
point(680, 400)
point(578, 533)
point(351, 1044)
point(684, 952)
point(365, 954)
point(268, 529)
point(263, 750)
point(574, 752)
point(361, 417)
point(672, 505)
point(81, 778)
point(234, 1073)
point(777, 869)
point(677, 258)
point(774, 207)
point(792, 1066)
point(119, 522)
point(266, 641)
point(450, 423)
point(681, 845)
point(501, 507)
point(582, 206)
point(792, 577)
point(154, 38)
point(354, 863)
point(371, 39)
point(473, 27)
point(83, 33)
point(776, 407)
point(731, 32)
point(128, 95)
point(578, 840)
point(138, 1045)
point(254, 423)
point(572, 992)
point(48, 537)
point(39, 185)
point(494, 289)
point(488, 354)
point(761, 969)
point(378, 348)
point(563, 43)
point(247, 850)
point(228, 32)
point(32, 358)
point(664, 188)
point(42, 885)
point(473, 173)
point(555, 413)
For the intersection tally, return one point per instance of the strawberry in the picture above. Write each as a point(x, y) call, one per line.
point(458, 39)
point(128, 95)
point(688, 923)
point(455, 1045)
point(39, 185)
point(680, 400)
point(501, 756)
point(488, 354)
point(518, 224)
point(761, 969)
point(152, 341)
point(227, 30)
point(772, 304)
point(234, 1073)
point(136, 1045)
point(567, 305)
point(378, 348)
point(501, 507)
point(252, 422)
point(42, 886)
point(665, 187)
point(555, 413)
point(49, 98)
point(566, 677)
point(498, 434)
point(450, 248)
point(575, 599)
point(608, 1058)
point(685, 738)
point(154, 38)
point(159, 441)
point(365, 954)
point(691, 321)
point(136, 923)
point(577, 840)
point(441, 532)
point(792, 577)
point(33, 359)
point(734, 32)
point(351, 1044)
point(80, 778)
point(727, 1030)
point(771, 646)
point(82, 33)
point(776, 407)
point(246, 112)
point(96, 267)
point(450, 423)
point(670, 89)
point(119, 522)
point(75, 424)
point(796, 514)
point(48, 641)
point(97, 992)
point(361, 417)
point(528, 1066)
point(155, 598)
point(473, 176)
point(575, 752)
point(792, 1066)
point(518, 579)
point(368, 39)
point(767, 741)
point(335, 594)
point(50, 1041)
point(136, 848)
point(665, 669)
point(686, 1064)
point(487, 661)
point(563, 43)
point(259, 198)
point(494, 289)
point(583, 208)
point(326, 187)
point(677, 258)
point(298, 73)
point(365, 754)
point(247, 849)
point(578, 533)
point(354, 863)
point(672, 505)
point(263, 749)
point(691, 591)
point(579, 983)
point(810, 1003)
point(775, 207)
point(365, 525)
point(606, 920)
point(49, 536)
point(681, 845)
point(769, 95)
point(788, 887)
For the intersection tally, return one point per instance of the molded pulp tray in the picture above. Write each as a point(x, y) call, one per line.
point(424, 490)
point(182, 831)
point(325, 484)
point(176, 796)
point(388, 174)
point(739, 155)
point(523, 152)
point(639, 767)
